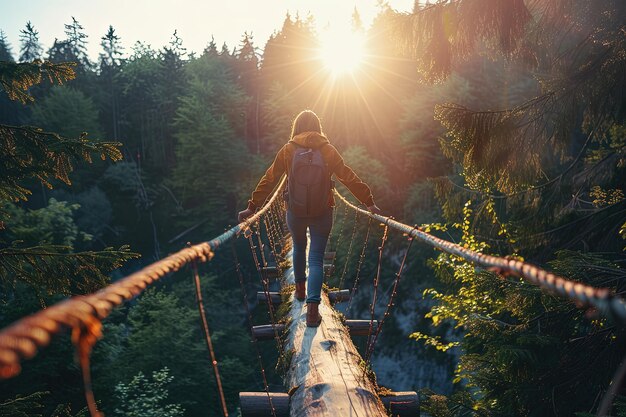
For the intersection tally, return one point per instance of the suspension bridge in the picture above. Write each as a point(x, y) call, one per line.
point(325, 375)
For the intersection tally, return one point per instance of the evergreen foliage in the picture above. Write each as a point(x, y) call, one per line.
point(211, 157)
point(146, 398)
point(520, 141)
point(76, 43)
point(30, 48)
point(37, 247)
point(532, 185)
point(280, 108)
point(5, 48)
point(68, 112)
point(112, 49)
point(16, 79)
point(54, 156)
point(38, 244)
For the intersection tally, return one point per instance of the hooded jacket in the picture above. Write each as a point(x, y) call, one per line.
point(334, 162)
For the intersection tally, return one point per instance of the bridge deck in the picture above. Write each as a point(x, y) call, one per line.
point(325, 376)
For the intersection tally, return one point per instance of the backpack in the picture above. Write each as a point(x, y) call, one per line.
point(309, 184)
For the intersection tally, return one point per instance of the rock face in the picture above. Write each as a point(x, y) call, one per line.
point(401, 363)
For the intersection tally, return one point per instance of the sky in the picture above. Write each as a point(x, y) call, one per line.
point(154, 21)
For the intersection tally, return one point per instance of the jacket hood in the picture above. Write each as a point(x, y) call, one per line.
point(312, 140)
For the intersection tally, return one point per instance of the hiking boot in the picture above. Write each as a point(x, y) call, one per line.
point(300, 290)
point(313, 318)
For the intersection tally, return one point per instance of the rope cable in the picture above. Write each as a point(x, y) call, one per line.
point(84, 314)
point(394, 291)
point(343, 221)
point(349, 254)
point(207, 335)
point(375, 283)
point(360, 264)
point(272, 238)
point(261, 247)
point(608, 304)
point(266, 291)
point(255, 342)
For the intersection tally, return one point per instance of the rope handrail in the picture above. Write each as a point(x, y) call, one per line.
point(84, 313)
point(601, 299)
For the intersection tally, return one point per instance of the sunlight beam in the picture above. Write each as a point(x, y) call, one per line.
point(341, 49)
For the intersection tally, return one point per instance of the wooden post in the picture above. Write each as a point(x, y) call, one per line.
point(274, 297)
point(402, 404)
point(270, 271)
point(257, 404)
point(338, 296)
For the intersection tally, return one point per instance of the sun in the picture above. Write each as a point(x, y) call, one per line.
point(342, 50)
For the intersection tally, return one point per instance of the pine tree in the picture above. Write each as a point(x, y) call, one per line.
point(247, 64)
point(167, 91)
point(279, 109)
point(247, 73)
point(211, 48)
point(207, 145)
point(60, 52)
point(225, 52)
point(112, 50)
point(289, 57)
point(534, 184)
point(110, 63)
point(77, 42)
point(5, 48)
point(139, 103)
point(30, 48)
point(176, 45)
point(146, 397)
point(28, 154)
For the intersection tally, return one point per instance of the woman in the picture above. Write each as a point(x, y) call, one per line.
point(307, 137)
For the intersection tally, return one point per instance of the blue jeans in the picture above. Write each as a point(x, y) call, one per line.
point(319, 228)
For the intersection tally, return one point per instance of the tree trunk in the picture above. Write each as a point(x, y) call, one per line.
point(325, 376)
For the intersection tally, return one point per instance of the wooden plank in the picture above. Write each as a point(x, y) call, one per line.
point(360, 327)
point(257, 404)
point(355, 328)
point(266, 331)
point(274, 297)
point(402, 404)
point(333, 296)
point(338, 296)
point(270, 271)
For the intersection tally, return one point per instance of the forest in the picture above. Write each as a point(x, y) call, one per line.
point(499, 125)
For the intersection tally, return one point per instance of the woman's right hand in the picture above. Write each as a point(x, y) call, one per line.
point(375, 210)
point(243, 215)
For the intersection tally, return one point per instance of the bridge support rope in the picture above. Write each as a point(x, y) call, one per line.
point(607, 303)
point(207, 335)
point(84, 314)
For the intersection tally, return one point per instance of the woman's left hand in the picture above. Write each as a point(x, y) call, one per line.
point(243, 215)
